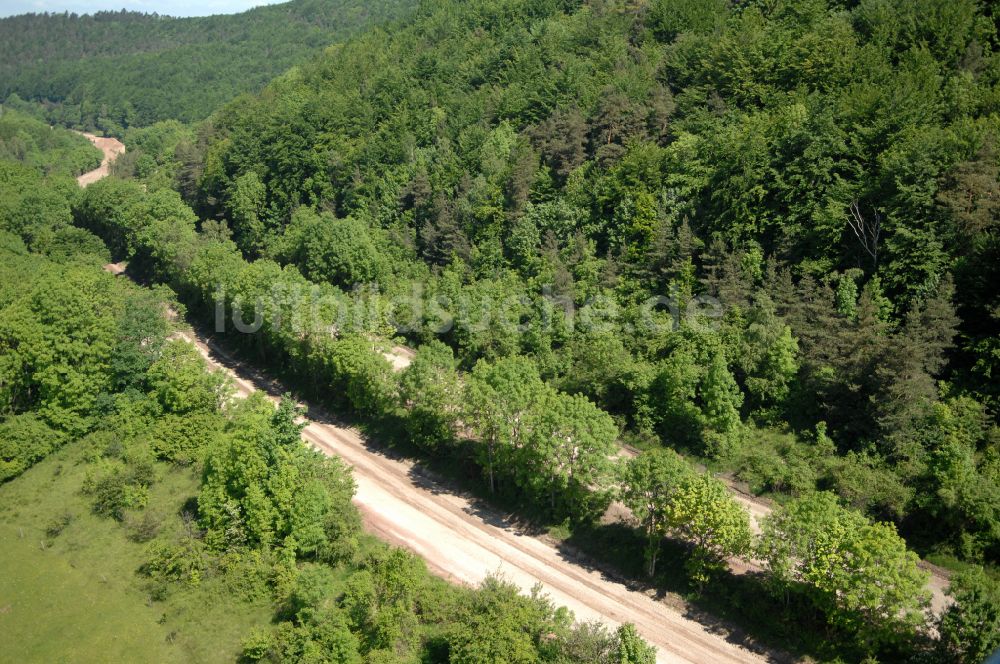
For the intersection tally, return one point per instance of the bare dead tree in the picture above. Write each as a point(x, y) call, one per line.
point(868, 232)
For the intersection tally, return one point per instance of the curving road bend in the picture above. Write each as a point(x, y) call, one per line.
point(111, 147)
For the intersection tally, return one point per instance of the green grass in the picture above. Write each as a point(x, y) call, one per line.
point(953, 564)
point(76, 596)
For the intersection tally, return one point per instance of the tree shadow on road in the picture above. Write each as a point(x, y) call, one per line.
point(732, 607)
point(735, 607)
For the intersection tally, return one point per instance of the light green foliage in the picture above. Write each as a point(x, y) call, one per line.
point(37, 209)
point(701, 511)
point(631, 649)
point(696, 398)
point(155, 225)
point(184, 438)
point(600, 367)
point(380, 600)
point(28, 205)
point(47, 149)
point(180, 383)
point(648, 485)
point(431, 391)
point(81, 598)
point(551, 444)
point(745, 153)
point(155, 155)
point(847, 294)
point(964, 482)
point(970, 628)
point(603, 153)
point(326, 637)
point(121, 486)
point(566, 453)
point(499, 397)
point(72, 338)
point(341, 251)
point(721, 401)
point(263, 489)
point(492, 643)
point(766, 354)
point(25, 440)
point(320, 629)
point(673, 393)
point(503, 625)
point(361, 373)
point(246, 205)
point(859, 573)
point(58, 340)
point(141, 334)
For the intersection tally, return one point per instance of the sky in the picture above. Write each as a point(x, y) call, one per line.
point(168, 7)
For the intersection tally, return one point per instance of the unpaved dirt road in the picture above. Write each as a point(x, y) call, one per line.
point(465, 542)
point(111, 147)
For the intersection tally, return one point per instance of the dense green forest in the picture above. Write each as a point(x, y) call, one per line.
point(827, 172)
point(550, 448)
point(28, 140)
point(757, 237)
point(232, 519)
point(113, 70)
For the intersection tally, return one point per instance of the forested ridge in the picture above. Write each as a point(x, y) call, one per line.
point(112, 70)
point(118, 446)
point(762, 235)
point(828, 172)
point(25, 139)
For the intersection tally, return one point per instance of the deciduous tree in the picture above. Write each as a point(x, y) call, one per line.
point(648, 484)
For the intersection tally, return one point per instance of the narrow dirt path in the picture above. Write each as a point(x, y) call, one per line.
point(400, 357)
point(111, 147)
point(758, 508)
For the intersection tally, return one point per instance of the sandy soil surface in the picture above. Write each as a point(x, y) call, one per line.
point(111, 147)
point(400, 357)
point(116, 268)
point(464, 541)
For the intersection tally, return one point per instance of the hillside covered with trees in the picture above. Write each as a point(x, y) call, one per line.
point(755, 240)
point(146, 513)
point(27, 140)
point(112, 70)
point(827, 172)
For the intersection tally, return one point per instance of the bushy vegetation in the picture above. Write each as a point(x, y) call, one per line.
point(548, 450)
point(270, 520)
point(826, 172)
point(30, 141)
point(88, 364)
point(35, 215)
point(761, 235)
point(114, 70)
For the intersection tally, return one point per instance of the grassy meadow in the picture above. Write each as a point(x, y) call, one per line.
point(70, 589)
